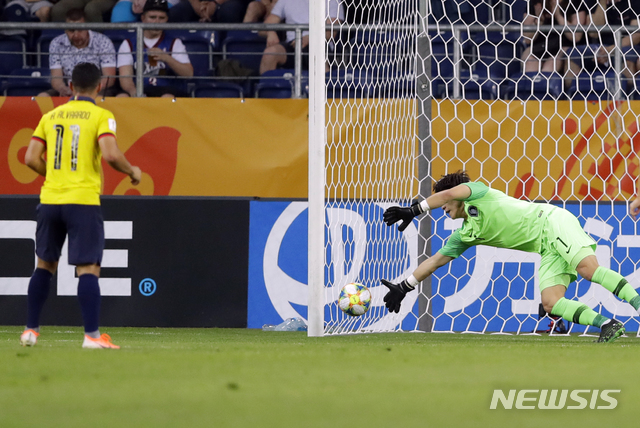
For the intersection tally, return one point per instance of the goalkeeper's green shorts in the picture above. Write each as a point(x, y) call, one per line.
point(564, 245)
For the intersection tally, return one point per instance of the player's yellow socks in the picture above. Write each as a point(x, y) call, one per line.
point(616, 283)
point(578, 313)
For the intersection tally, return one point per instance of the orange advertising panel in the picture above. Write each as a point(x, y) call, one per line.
point(541, 150)
point(259, 148)
point(190, 147)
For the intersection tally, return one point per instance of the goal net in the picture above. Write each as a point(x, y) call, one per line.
point(405, 91)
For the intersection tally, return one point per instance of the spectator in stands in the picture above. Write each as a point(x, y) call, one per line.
point(222, 11)
point(131, 10)
point(546, 50)
point(281, 55)
point(163, 56)
point(601, 44)
point(27, 10)
point(75, 47)
point(258, 10)
point(94, 9)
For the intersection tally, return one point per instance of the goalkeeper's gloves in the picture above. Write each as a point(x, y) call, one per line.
point(395, 214)
point(396, 293)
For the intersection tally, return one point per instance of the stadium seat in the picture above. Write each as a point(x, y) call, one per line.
point(596, 85)
point(42, 46)
point(218, 90)
point(498, 54)
point(279, 83)
point(27, 82)
point(478, 85)
point(351, 83)
point(442, 55)
point(12, 54)
point(534, 86)
point(511, 12)
point(246, 47)
point(200, 45)
point(119, 36)
point(383, 53)
point(475, 12)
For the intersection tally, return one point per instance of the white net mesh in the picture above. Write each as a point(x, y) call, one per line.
point(536, 99)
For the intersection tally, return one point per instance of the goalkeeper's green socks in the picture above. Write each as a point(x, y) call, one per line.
point(578, 313)
point(616, 283)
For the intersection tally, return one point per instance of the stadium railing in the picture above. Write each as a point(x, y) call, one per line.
point(14, 38)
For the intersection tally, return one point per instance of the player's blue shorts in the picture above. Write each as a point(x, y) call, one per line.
point(82, 223)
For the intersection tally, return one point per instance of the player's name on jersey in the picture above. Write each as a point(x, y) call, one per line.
point(85, 115)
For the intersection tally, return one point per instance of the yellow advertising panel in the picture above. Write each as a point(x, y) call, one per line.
point(190, 147)
point(259, 148)
point(541, 150)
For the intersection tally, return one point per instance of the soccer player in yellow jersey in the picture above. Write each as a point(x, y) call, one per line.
point(492, 218)
point(66, 148)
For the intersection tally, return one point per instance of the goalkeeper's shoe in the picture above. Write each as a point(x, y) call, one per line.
point(610, 331)
point(103, 342)
point(29, 337)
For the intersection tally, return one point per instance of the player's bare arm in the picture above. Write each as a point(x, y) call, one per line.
point(115, 158)
point(34, 158)
point(634, 208)
point(430, 265)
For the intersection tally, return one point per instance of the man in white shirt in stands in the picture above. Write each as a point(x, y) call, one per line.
point(163, 57)
point(75, 47)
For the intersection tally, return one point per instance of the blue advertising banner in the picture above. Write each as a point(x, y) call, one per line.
point(486, 289)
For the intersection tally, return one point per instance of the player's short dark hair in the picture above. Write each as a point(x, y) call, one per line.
point(85, 77)
point(75, 15)
point(450, 181)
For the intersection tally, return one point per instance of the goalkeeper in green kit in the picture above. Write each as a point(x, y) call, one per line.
point(492, 218)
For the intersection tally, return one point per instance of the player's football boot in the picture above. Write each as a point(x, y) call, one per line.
point(611, 331)
point(103, 342)
point(29, 337)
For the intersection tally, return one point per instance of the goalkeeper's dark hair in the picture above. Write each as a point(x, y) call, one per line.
point(450, 181)
point(85, 77)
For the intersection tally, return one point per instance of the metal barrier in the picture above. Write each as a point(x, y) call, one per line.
point(195, 26)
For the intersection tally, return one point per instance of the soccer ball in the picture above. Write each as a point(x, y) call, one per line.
point(355, 299)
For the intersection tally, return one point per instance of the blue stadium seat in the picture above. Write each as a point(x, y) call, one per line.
point(442, 55)
point(383, 53)
point(511, 12)
point(595, 85)
point(478, 85)
point(534, 86)
point(42, 46)
point(218, 90)
point(348, 84)
point(119, 36)
point(200, 45)
point(475, 84)
point(498, 54)
point(278, 83)
point(244, 46)
point(27, 82)
point(13, 54)
point(475, 11)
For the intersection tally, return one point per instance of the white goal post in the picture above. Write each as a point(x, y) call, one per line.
point(404, 91)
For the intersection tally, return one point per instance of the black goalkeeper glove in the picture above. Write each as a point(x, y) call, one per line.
point(396, 293)
point(395, 214)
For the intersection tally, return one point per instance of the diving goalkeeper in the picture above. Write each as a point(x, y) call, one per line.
point(492, 218)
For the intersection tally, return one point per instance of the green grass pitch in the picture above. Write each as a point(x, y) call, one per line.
point(251, 378)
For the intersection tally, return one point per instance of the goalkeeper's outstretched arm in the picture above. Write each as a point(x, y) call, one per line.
point(406, 214)
point(396, 292)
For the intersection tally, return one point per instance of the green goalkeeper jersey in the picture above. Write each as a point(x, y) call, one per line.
point(498, 220)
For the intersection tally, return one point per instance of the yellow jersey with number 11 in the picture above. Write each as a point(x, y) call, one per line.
point(70, 133)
